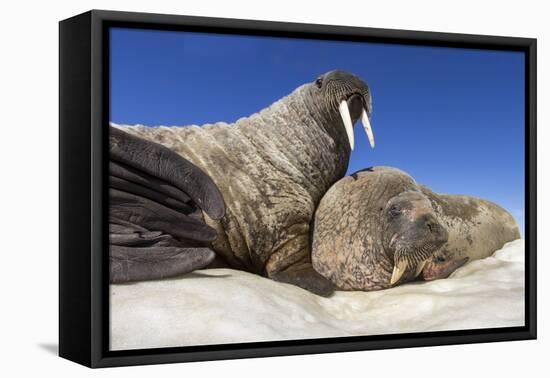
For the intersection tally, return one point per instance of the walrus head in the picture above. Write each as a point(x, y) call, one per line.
point(374, 229)
point(341, 95)
point(414, 233)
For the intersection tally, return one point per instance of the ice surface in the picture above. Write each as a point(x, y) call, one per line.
point(229, 306)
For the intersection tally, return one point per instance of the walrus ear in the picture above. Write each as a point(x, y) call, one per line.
point(307, 278)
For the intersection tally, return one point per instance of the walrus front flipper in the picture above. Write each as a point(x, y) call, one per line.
point(137, 254)
point(157, 229)
point(152, 194)
point(141, 239)
point(139, 264)
point(156, 217)
point(164, 164)
point(118, 171)
point(307, 278)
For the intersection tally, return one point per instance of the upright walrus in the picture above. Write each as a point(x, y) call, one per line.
point(476, 227)
point(272, 169)
point(374, 229)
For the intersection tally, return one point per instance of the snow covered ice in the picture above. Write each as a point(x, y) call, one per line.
point(220, 306)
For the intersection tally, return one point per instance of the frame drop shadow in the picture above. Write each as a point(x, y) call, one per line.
point(52, 348)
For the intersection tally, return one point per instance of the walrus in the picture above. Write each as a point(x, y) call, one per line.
point(476, 228)
point(375, 229)
point(271, 169)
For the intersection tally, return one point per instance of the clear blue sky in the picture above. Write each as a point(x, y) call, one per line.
point(452, 118)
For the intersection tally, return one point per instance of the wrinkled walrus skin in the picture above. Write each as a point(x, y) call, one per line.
point(272, 169)
point(476, 228)
point(374, 229)
point(350, 240)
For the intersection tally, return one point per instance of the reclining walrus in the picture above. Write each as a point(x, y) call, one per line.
point(374, 229)
point(477, 228)
point(361, 230)
point(258, 181)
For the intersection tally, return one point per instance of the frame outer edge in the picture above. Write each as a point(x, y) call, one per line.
point(99, 356)
point(377, 35)
point(74, 190)
point(532, 182)
point(99, 192)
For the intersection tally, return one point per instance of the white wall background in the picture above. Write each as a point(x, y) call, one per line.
point(29, 188)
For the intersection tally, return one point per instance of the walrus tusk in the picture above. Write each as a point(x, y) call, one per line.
point(398, 271)
point(366, 125)
point(420, 267)
point(346, 118)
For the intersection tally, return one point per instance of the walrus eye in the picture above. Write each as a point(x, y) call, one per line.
point(394, 211)
point(319, 82)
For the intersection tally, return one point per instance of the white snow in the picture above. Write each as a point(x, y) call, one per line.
point(228, 306)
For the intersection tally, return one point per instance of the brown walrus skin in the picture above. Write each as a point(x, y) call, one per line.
point(374, 229)
point(476, 227)
point(350, 244)
point(272, 169)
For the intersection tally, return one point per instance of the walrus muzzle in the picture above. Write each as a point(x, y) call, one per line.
point(412, 258)
point(352, 98)
point(416, 259)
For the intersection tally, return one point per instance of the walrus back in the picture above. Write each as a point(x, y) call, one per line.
point(476, 227)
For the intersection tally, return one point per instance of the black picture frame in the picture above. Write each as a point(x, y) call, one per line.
point(83, 113)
